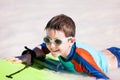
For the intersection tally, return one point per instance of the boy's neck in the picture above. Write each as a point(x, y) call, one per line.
point(67, 52)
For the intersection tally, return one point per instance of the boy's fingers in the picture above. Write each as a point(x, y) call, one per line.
point(17, 61)
point(10, 59)
point(14, 60)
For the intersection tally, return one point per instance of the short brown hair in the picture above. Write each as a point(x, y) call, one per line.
point(62, 23)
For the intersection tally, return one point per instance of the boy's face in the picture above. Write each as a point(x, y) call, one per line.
point(58, 44)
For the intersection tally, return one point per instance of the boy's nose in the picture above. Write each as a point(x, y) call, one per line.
point(52, 45)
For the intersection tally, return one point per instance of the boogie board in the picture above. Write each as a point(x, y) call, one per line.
point(48, 70)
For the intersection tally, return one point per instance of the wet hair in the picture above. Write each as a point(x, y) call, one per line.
point(62, 23)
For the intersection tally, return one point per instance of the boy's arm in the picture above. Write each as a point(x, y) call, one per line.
point(38, 52)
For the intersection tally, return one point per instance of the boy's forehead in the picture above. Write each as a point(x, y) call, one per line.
point(55, 33)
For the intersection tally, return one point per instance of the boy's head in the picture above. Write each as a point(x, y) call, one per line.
point(60, 33)
point(62, 23)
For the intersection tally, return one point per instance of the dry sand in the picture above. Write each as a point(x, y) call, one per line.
point(22, 23)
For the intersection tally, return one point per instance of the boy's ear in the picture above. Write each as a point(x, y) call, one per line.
point(72, 40)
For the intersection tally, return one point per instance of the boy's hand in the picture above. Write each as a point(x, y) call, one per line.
point(26, 58)
point(14, 60)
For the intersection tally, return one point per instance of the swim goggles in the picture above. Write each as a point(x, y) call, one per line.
point(47, 40)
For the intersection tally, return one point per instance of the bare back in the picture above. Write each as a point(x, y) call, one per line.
point(112, 60)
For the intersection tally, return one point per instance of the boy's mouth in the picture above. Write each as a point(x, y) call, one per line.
point(55, 53)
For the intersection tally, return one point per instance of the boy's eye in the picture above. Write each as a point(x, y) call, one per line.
point(46, 40)
point(57, 41)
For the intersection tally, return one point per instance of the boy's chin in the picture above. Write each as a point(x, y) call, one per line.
point(55, 55)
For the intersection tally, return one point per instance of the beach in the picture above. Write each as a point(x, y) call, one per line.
point(22, 23)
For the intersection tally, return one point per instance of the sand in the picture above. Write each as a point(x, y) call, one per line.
point(22, 24)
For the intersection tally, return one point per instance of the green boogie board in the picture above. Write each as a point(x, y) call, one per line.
point(38, 71)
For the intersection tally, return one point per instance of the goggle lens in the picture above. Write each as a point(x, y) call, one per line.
point(46, 40)
point(57, 41)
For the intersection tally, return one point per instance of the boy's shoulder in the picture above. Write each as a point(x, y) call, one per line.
point(86, 47)
point(82, 45)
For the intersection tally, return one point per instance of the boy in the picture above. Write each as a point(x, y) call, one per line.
point(60, 42)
